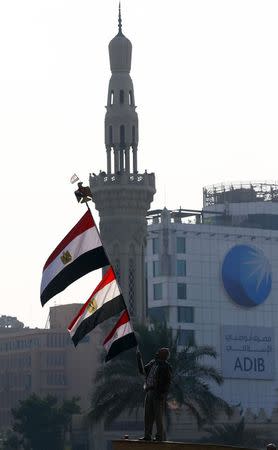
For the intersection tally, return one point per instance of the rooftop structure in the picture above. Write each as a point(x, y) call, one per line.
point(233, 205)
point(240, 193)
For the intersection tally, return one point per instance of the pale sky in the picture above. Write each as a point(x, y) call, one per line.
point(205, 76)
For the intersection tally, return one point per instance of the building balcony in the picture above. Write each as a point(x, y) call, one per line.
point(122, 178)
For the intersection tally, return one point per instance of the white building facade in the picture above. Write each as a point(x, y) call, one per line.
point(212, 275)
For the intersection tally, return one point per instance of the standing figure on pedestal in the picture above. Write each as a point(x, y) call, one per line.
point(158, 374)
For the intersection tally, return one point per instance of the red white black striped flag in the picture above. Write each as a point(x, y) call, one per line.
point(79, 253)
point(121, 338)
point(106, 301)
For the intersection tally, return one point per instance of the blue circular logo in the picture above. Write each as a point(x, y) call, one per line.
point(246, 274)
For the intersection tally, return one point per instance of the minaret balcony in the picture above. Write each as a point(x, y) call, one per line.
point(122, 178)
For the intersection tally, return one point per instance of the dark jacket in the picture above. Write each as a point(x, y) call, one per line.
point(161, 373)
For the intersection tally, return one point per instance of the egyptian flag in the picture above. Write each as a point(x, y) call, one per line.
point(106, 301)
point(79, 253)
point(121, 338)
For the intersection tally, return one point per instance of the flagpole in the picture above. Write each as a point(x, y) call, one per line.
point(138, 349)
point(97, 230)
point(84, 195)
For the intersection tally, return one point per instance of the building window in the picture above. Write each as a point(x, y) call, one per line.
point(180, 244)
point(111, 97)
point(186, 337)
point(181, 268)
point(55, 359)
point(181, 291)
point(157, 291)
point(27, 381)
point(122, 134)
point(155, 242)
point(130, 98)
point(156, 268)
point(56, 379)
point(159, 314)
point(122, 97)
point(185, 314)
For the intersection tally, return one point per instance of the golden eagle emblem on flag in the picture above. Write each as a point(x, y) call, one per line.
point(66, 257)
point(92, 306)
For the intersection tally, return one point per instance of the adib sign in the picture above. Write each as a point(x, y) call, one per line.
point(247, 352)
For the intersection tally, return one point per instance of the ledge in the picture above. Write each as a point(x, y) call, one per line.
point(129, 444)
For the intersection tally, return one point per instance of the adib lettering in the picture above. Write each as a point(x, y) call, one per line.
point(247, 364)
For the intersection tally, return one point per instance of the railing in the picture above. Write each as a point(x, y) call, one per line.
point(240, 192)
point(122, 178)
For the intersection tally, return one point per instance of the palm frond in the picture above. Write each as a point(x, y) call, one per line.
point(234, 434)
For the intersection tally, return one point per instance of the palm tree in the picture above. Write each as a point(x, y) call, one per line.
point(118, 385)
point(191, 384)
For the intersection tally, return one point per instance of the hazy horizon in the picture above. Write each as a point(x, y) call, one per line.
point(205, 82)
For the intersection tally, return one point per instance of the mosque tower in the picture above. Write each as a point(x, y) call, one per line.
point(121, 194)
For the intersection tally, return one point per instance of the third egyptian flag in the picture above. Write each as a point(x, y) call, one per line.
point(106, 301)
point(121, 337)
point(79, 253)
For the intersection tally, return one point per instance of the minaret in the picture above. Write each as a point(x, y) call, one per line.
point(121, 194)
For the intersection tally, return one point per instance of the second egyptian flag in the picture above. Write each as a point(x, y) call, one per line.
point(106, 301)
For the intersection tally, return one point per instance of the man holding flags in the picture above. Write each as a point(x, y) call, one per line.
point(158, 373)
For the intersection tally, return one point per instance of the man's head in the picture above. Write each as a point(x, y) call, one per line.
point(163, 354)
point(271, 446)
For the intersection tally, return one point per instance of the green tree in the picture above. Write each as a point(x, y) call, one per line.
point(42, 421)
point(10, 441)
point(234, 434)
point(118, 385)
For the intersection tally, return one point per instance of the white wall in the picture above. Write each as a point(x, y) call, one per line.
point(206, 247)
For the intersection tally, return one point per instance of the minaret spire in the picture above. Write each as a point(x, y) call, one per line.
point(120, 19)
point(121, 121)
point(121, 194)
